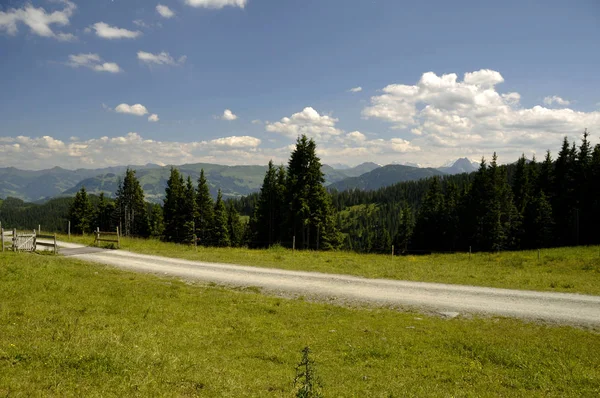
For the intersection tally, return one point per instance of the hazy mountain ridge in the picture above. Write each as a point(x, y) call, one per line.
point(234, 181)
point(385, 176)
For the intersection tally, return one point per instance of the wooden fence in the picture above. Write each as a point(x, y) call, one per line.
point(115, 237)
point(25, 241)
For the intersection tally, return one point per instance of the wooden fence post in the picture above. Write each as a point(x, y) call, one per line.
point(118, 239)
point(14, 239)
point(34, 240)
point(392, 252)
point(293, 243)
point(69, 230)
point(2, 236)
point(195, 242)
point(55, 245)
point(39, 229)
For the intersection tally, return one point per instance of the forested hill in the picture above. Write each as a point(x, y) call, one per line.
point(383, 177)
point(234, 181)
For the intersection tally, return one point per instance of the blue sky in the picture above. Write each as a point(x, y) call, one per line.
point(236, 81)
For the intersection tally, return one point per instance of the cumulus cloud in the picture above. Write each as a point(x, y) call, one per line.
point(46, 151)
point(162, 58)
point(555, 99)
point(153, 118)
point(106, 31)
point(356, 89)
point(38, 20)
point(164, 11)
point(308, 122)
point(471, 117)
point(137, 109)
point(228, 115)
point(216, 4)
point(93, 62)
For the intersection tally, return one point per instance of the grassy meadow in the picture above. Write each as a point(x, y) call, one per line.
point(71, 328)
point(571, 269)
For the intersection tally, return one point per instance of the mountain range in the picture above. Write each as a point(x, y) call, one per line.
point(234, 181)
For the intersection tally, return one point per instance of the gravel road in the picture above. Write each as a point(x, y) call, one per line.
point(573, 309)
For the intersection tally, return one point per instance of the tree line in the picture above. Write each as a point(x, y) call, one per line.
point(525, 205)
point(528, 204)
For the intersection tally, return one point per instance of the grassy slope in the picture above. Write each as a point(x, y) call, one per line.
point(69, 328)
point(574, 270)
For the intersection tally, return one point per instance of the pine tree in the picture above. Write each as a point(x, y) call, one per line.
point(172, 207)
point(405, 229)
point(311, 216)
point(539, 224)
point(205, 211)
point(220, 230)
point(80, 212)
point(131, 207)
point(563, 204)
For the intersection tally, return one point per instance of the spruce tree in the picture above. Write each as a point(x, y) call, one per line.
point(173, 221)
point(220, 229)
point(205, 212)
point(429, 228)
point(235, 226)
point(188, 211)
point(103, 214)
point(156, 221)
point(268, 217)
point(131, 206)
point(310, 217)
point(80, 212)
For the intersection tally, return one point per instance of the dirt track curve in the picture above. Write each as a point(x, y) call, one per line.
point(574, 309)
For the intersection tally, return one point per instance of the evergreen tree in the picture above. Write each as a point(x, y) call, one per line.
point(80, 212)
point(520, 187)
point(429, 228)
point(269, 210)
point(545, 181)
point(405, 229)
point(172, 214)
point(235, 226)
point(131, 206)
point(564, 202)
point(220, 230)
point(539, 224)
point(311, 216)
point(103, 214)
point(188, 211)
point(205, 212)
point(156, 221)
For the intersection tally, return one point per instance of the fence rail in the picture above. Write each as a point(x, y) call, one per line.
point(25, 241)
point(100, 234)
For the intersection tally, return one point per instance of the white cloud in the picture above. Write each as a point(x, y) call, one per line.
point(162, 58)
point(137, 109)
point(46, 151)
point(106, 31)
point(93, 62)
point(356, 89)
point(216, 4)
point(308, 122)
point(137, 22)
point(228, 115)
point(356, 136)
point(38, 20)
point(471, 118)
point(256, 121)
point(164, 11)
point(153, 118)
point(555, 99)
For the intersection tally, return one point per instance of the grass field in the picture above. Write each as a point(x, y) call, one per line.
point(573, 269)
point(69, 328)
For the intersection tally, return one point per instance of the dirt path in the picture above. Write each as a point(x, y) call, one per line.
point(574, 309)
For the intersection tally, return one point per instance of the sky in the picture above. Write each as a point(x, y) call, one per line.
point(115, 82)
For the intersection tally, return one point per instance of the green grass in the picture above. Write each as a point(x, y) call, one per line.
point(573, 269)
point(70, 328)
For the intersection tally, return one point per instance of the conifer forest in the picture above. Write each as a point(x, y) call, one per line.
point(528, 204)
